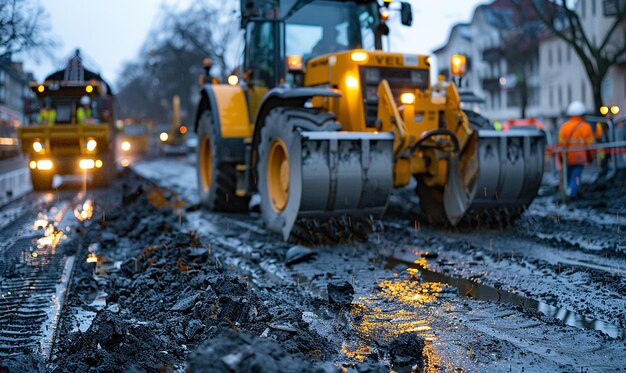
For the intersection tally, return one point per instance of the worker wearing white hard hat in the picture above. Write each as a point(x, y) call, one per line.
point(83, 113)
point(575, 133)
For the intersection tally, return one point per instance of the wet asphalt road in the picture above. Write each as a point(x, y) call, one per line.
point(570, 273)
point(577, 286)
point(34, 269)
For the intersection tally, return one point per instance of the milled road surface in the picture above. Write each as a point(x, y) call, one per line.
point(158, 284)
point(474, 335)
point(34, 270)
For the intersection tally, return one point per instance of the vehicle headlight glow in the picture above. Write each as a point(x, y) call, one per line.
point(164, 136)
point(91, 145)
point(352, 82)
point(37, 147)
point(85, 164)
point(125, 146)
point(233, 79)
point(407, 98)
point(44, 164)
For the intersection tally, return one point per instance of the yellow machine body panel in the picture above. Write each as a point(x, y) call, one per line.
point(232, 109)
point(373, 86)
point(64, 140)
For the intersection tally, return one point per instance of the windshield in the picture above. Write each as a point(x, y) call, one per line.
point(331, 26)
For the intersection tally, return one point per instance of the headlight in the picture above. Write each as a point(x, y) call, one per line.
point(44, 164)
point(86, 164)
point(125, 146)
point(163, 136)
point(91, 145)
point(37, 147)
point(372, 75)
point(407, 98)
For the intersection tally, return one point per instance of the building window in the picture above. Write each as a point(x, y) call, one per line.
point(560, 95)
point(569, 92)
point(549, 56)
point(568, 53)
point(550, 96)
point(558, 55)
point(582, 8)
point(593, 8)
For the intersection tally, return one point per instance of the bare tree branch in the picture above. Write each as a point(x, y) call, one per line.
point(23, 27)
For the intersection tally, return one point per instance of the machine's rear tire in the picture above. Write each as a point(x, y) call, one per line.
point(42, 180)
point(217, 179)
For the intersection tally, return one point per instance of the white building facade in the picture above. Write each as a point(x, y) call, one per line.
point(563, 75)
point(553, 71)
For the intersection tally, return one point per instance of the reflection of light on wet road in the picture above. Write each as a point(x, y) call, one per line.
point(399, 306)
point(40, 224)
point(92, 258)
point(50, 238)
point(85, 211)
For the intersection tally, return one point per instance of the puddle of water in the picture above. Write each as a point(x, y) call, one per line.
point(484, 292)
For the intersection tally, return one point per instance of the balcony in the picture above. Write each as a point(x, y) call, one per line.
point(492, 54)
point(491, 84)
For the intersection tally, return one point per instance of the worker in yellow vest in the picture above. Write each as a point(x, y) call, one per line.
point(47, 115)
point(83, 113)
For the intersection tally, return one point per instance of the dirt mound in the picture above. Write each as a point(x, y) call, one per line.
point(170, 291)
point(113, 343)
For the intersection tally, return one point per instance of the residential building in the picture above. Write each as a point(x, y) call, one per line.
point(563, 75)
point(490, 74)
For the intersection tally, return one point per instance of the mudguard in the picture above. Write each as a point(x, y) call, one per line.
point(227, 106)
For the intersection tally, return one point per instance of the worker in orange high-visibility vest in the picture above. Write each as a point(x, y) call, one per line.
point(574, 133)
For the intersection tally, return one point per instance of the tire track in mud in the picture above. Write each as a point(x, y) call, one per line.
point(34, 276)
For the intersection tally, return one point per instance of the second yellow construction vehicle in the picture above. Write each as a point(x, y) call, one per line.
point(75, 133)
point(321, 122)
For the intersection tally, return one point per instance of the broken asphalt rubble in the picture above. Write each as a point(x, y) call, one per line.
point(170, 305)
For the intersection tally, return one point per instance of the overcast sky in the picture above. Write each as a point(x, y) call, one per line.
point(110, 32)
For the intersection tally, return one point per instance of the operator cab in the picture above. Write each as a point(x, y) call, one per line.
point(297, 30)
point(281, 37)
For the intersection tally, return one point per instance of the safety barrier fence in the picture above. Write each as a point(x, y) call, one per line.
point(614, 148)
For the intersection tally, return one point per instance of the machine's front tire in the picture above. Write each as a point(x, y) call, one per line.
point(217, 179)
point(41, 180)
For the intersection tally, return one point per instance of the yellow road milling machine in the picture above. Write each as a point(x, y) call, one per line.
point(75, 132)
point(322, 123)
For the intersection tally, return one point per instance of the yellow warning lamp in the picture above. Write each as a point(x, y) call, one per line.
point(615, 110)
point(89, 89)
point(604, 110)
point(294, 63)
point(41, 88)
point(458, 64)
point(359, 56)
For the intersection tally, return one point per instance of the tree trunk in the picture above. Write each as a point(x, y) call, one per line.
point(596, 86)
point(523, 98)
